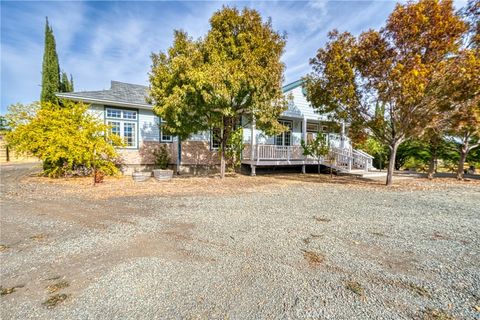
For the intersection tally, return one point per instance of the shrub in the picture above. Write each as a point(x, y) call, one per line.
point(68, 139)
point(162, 157)
point(233, 152)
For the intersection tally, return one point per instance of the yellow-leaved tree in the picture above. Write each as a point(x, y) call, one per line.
point(68, 139)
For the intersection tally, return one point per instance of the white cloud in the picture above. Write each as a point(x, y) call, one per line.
point(102, 41)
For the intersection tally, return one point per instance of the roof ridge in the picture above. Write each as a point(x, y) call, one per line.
point(292, 85)
point(127, 83)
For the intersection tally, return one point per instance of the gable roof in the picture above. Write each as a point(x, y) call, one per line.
point(129, 95)
point(120, 93)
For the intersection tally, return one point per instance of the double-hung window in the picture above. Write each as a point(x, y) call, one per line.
point(284, 138)
point(164, 136)
point(123, 123)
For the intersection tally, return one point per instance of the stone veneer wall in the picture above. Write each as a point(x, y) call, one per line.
point(196, 157)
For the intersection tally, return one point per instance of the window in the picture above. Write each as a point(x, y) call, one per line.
point(312, 127)
point(215, 138)
point(124, 124)
point(164, 137)
point(284, 138)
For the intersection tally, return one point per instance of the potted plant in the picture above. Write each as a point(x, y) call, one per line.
point(162, 158)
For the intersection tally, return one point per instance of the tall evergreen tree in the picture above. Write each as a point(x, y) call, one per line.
point(50, 68)
point(66, 85)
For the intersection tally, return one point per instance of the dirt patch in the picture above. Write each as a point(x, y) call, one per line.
point(322, 219)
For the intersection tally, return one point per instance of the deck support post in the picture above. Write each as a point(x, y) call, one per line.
point(303, 169)
point(252, 172)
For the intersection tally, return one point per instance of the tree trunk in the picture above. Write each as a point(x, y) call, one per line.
point(222, 152)
point(391, 162)
point(461, 162)
point(431, 165)
point(318, 166)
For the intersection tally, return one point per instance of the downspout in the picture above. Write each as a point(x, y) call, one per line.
point(179, 154)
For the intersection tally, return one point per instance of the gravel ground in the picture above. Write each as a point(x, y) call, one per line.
point(287, 250)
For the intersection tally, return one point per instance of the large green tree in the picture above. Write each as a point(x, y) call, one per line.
point(53, 80)
point(210, 83)
point(50, 68)
point(393, 68)
point(66, 84)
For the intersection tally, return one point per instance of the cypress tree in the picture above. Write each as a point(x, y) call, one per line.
point(71, 83)
point(50, 68)
point(66, 85)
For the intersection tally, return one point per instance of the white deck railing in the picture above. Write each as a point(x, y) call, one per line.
point(342, 159)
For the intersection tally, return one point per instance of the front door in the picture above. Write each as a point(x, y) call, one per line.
point(284, 138)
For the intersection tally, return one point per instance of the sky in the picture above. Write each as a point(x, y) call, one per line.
point(100, 41)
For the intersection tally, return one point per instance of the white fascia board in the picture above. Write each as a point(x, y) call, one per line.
point(106, 102)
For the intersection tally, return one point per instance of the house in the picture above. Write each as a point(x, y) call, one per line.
point(124, 107)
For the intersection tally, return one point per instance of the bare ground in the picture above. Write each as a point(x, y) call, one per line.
point(278, 246)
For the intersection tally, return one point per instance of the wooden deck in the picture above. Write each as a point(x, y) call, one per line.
point(342, 160)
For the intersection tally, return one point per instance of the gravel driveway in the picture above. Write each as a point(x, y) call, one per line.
point(300, 250)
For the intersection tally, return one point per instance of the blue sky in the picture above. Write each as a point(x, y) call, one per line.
point(102, 41)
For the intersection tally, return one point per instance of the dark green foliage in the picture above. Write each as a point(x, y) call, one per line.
point(233, 71)
point(50, 68)
point(3, 124)
point(233, 153)
point(53, 80)
point(162, 157)
point(318, 148)
point(66, 85)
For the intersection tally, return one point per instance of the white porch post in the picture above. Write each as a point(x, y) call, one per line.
point(304, 138)
point(252, 139)
point(304, 129)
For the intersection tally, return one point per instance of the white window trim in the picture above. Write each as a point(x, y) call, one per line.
point(160, 131)
point(283, 134)
point(122, 122)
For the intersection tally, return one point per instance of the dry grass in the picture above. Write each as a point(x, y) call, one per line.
point(310, 238)
point(5, 291)
point(355, 287)
point(321, 219)
point(3, 247)
point(38, 237)
point(313, 258)
point(9, 290)
point(54, 300)
point(232, 184)
point(421, 291)
point(432, 314)
point(57, 286)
